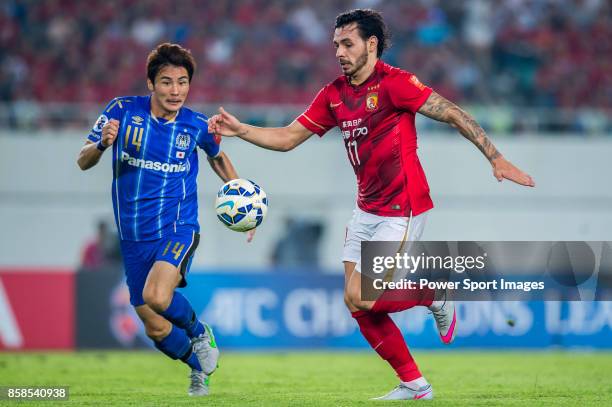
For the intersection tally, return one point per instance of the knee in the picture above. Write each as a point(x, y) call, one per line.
point(347, 300)
point(354, 303)
point(359, 305)
point(156, 299)
point(157, 329)
point(348, 303)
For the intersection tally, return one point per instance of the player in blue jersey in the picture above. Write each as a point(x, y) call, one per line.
point(153, 140)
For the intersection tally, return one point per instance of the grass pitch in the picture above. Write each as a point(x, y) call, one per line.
point(316, 379)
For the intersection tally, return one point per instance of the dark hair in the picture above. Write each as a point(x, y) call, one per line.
point(370, 23)
point(169, 54)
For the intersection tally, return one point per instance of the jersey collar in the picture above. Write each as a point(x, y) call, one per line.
point(156, 119)
point(374, 74)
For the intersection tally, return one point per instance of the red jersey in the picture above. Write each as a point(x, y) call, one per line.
point(376, 120)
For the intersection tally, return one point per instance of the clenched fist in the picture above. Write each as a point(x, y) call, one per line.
point(109, 133)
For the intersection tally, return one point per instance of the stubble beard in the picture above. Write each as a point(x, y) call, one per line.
point(359, 63)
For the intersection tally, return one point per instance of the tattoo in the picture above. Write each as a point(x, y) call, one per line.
point(438, 108)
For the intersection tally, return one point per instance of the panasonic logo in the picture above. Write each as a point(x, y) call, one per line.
point(151, 165)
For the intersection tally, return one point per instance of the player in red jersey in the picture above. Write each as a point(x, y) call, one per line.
point(374, 105)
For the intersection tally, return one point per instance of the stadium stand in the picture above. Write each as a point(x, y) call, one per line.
point(546, 54)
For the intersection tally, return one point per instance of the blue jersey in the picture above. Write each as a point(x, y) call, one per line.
point(155, 165)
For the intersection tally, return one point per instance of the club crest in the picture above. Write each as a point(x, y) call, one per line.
point(372, 101)
point(182, 141)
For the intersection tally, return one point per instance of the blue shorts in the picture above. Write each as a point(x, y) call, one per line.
point(138, 258)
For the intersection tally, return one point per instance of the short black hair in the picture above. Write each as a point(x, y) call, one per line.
point(169, 54)
point(370, 23)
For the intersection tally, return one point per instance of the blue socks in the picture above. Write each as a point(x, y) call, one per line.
point(178, 346)
point(180, 313)
point(185, 325)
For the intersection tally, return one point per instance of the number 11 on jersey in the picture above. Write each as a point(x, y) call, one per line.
point(353, 153)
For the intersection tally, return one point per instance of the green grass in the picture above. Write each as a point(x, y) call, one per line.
point(316, 379)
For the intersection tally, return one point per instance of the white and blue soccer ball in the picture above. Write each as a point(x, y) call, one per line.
point(241, 205)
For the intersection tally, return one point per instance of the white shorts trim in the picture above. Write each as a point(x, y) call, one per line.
point(365, 226)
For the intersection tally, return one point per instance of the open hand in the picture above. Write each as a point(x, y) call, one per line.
point(503, 168)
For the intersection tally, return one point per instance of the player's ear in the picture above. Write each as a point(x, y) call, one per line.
point(372, 44)
point(150, 85)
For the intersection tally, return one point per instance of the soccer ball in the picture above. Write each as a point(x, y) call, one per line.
point(241, 205)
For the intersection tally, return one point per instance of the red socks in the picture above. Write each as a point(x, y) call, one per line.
point(384, 336)
point(386, 339)
point(399, 300)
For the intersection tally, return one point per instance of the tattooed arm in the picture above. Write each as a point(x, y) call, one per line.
point(438, 108)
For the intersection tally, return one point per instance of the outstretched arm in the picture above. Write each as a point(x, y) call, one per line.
point(272, 138)
point(438, 108)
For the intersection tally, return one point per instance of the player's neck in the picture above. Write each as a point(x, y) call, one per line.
point(364, 73)
point(161, 113)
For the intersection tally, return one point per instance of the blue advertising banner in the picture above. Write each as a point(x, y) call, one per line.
point(276, 309)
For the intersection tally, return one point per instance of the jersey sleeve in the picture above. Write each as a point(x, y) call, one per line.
point(208, 142)
point(407, 92)
point(114, 110)
point(318, 118)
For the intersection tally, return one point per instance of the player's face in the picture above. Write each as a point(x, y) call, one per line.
point(170, 89)
point(351, 49)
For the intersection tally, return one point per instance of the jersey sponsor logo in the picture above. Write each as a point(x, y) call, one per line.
point(137, 120)
point(355, 133)
point(335, 105)
point(372, 101)
point(415, 81)
point(102, 120)
point(151, 165)
point(182, 141)
point(351, 123)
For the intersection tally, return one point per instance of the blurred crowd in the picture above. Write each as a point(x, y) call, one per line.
point(555, 53)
